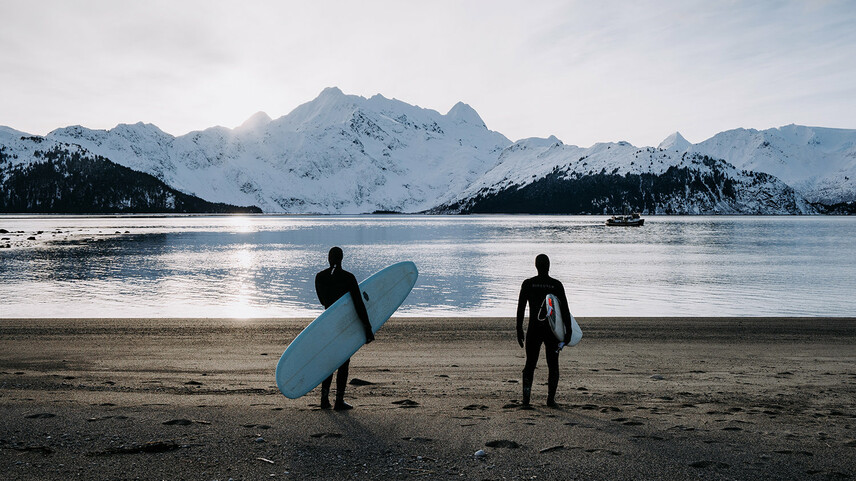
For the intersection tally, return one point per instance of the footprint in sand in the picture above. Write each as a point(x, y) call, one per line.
point(102, 418)
point(150, 447)
point(360, 382)
point(502, 443)
point(406, 403)
point(709, 464)
point(40, 416)
point(177, 422)
point(601, 450)
point(476, 407)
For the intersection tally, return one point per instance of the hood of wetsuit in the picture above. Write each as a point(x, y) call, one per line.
point(335, 257)
point(542, 263)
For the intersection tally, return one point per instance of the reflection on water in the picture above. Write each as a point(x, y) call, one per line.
point(264, 266)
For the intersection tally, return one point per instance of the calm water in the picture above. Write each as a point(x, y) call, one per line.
point(264, 266)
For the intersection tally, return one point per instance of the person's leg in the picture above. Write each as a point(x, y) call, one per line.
point(553, 376)
point(325, 392)
point(341, 383)
point(533, 348)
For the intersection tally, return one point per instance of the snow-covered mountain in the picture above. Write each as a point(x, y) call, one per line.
point(544, 175)
point(39, 175)
point(820, 163)
point(675, 142)
point(348, 154)
point(336, 154)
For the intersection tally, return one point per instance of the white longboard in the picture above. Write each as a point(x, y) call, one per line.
point(337, 334)
point(554, 318)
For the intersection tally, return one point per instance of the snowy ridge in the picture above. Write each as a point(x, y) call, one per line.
point(21, 149)
point(531, 159)
point(818, 162)
point(544, 175)
point(39, 175)
point(336, 154)
point(344, 153)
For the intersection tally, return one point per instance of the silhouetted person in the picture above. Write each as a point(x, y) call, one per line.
point(533, 292)
point(331, 284)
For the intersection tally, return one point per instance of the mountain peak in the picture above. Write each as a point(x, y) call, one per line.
point(676, 141)
point(331, 92)
point(257, 120)
point(464, 113)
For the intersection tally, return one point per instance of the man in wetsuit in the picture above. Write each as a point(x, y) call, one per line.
point(331, 284)
point(533, 292)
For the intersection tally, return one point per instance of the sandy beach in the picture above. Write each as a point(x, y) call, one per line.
point(640, 399)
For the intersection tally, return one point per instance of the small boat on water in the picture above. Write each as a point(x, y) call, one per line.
point(632, 220)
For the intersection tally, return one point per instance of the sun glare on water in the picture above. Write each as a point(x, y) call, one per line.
point(242, 224)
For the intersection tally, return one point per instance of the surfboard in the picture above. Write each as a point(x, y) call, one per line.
point(576, 332)
point(337, 333)
point(557, 326)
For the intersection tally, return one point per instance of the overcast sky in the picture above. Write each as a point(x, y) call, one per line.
point(584, 71)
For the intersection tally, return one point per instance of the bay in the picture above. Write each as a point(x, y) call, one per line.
point(470, 266)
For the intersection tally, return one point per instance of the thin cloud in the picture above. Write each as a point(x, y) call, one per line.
point(583, 71)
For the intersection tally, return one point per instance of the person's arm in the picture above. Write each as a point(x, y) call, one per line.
point(521, 311)
point(566, 312)
point(357, 297)
point(320, 291)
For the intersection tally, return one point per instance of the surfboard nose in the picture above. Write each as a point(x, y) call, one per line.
point(412, 273)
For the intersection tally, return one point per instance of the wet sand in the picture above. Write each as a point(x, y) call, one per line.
point(640, 399)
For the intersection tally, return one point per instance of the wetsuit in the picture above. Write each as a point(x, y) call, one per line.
point(533, 292)
point(331, 284)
